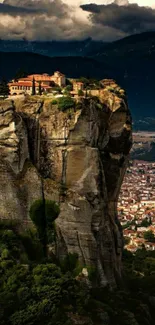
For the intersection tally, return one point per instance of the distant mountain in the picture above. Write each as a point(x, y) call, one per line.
point(74, 66)
point(145, 124)
point(53, 48)
point(134, 45)
point(134, 61)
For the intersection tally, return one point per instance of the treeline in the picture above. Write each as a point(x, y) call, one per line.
point(36, 288)
point(4, 88)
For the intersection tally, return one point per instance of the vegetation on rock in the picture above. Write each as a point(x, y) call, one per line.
point(65, 103)
point(54, 102)
point(90, 83)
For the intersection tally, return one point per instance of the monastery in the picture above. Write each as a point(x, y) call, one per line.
point(24, 85)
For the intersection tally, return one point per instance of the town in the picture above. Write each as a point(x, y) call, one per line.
point(136, 206)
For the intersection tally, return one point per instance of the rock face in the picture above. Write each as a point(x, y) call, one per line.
point(77, 158)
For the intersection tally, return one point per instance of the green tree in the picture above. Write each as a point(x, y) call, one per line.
point(145, 223)
point(33, 87)
point(57, 88)
point(69, 88)
point(149, 266)
point(149, 236)
point(4, 88)
point(43, 213)
point(80, 92)
point(85, 81)
point(40, 89)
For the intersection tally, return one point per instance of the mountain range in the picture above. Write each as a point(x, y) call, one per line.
point(52, 48)
point(130, 61)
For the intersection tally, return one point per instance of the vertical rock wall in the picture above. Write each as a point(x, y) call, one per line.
point(80, 158)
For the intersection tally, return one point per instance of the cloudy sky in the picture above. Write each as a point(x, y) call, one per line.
point(75, 19)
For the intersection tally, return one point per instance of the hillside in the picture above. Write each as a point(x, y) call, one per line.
point(10, 62)
point(138, 43)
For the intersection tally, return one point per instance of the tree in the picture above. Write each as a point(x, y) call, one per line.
point(4, 88)
point(33, 87)
point(40, 89)
point(80, 92)
point(67, 90)
point(43, 213)
point(145, 223)
point(85, 81)
point(149, 236)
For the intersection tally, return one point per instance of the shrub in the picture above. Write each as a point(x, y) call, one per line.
point(32, 245)
point(43, 213)
point(65, 103)
point(54, 102)
point(57, 89)
point(149, 236)
point(69, 263)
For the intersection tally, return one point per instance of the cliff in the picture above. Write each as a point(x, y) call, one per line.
point(77, 158)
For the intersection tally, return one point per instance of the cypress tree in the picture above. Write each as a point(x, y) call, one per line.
point(40, 90)
point(33, 87)
point(4, 88)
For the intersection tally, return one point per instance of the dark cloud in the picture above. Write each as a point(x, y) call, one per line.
point(54, 19)
point(43, 20)
point(50, 8)
point(127, 18)
point(6, 9)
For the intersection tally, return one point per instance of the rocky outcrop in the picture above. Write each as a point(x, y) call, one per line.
point(77, 158)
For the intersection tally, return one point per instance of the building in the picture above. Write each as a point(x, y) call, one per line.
point(57, 78)
point(77, 85)
point(24, 85)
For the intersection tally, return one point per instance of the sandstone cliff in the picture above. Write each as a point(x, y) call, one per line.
point(77, 158)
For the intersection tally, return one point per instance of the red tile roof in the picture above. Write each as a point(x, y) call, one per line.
point(27, 84)
point(22, 83)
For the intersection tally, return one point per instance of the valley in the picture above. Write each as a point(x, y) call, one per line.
point(143, 146)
